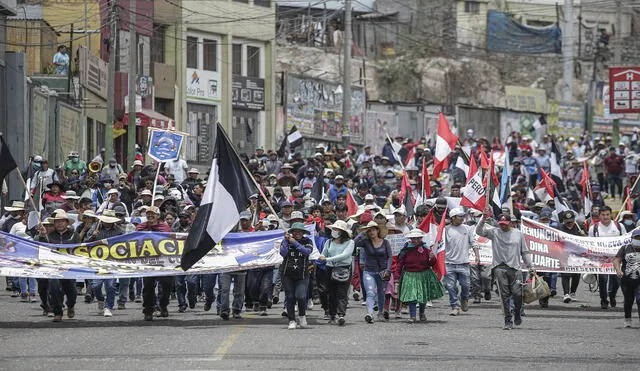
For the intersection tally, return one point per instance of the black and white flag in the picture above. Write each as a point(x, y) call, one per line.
point(227, 194)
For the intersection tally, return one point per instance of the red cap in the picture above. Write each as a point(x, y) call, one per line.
point(504, 220)
point(365, 218)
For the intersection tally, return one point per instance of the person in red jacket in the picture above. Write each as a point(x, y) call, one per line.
point(614, 167)
point(418, 282)
point(155, 224)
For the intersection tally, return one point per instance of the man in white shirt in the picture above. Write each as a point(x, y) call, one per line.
point(178, 168)
point(607, 227)
point(458, 241)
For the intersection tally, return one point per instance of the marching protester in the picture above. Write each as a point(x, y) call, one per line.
point(338, 257)
point(607, 227)
point(508, 247)
point(417, 283)
point(375, 258)
point(62, 234)
point(295, 249)
point(459, 240)
point(627, 265)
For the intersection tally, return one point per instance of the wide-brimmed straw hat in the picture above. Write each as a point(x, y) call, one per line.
point(60, 214)
point(16, 206)
point(340, 225)
point(381, 228)
point(108, 217)
point(415, 233)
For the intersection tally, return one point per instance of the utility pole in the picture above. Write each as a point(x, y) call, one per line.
point(567, 53)
point(133, 59)
point(111, 77)
point(346, 75)
point(70, 72)
point(617, 61)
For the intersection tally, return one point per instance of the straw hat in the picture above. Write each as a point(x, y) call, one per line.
point(60, 214)
point(16, 206)
point(341, 225)
point(70, 195)
point(108, 217)
point(383, 229)
point(415, 233)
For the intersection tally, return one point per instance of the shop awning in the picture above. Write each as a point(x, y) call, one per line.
point(147, 117)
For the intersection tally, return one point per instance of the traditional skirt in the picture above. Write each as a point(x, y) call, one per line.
point(420, 287)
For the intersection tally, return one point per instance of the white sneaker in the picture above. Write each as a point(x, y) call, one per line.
point(292, 325)
point(566, 298)
point(627, 322)
point(310, 305)
point(303, 321)
point(429, 304)
point(107, 312)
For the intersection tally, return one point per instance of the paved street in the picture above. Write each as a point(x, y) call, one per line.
point(575, 336)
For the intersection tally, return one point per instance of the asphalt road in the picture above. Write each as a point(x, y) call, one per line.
point(579, 335)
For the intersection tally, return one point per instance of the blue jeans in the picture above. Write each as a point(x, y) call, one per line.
point(238, 291)
point(135, 284)
point(208, 286)
point(184, 283)
point(412, 309)
point(295, 292)
point(30, 282)
point(123, 290)
point(109, 287)
point(375, 288)
point(457, 273)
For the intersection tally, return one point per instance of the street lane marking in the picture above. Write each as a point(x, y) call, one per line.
point(227, 343)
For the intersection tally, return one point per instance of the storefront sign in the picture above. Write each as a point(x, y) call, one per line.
point(203, 86)
point(247, 93)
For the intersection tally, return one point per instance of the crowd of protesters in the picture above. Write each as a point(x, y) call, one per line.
point(348, 255)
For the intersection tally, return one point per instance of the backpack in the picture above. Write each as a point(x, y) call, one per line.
point(595, 229)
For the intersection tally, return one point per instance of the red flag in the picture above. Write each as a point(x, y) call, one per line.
point(445, 143)
point(352, 206)
point(406, 196)
point(629, 205)
point(484, 161)
point(411, 158)
point(474, 194)
point(547, 183)
point(425, 226)
point(426, 183)
point(440, 267)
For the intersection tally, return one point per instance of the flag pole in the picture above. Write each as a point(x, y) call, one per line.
point(33, 203)
point(155, 183)
point(424, 164)
point(627, 198)
point(248, 172)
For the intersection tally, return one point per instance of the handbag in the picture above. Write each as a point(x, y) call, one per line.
point(341, 274)
point(535, 289)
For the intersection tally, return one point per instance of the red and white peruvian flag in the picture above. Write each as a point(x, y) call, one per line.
point(474, 194)
point(352, 206)
point(440, 267)
point(445, 143)
point(411, 158)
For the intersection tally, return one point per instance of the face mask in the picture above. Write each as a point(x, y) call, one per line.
point(411, 245)
point(628, 222)
point(335, 234)
point(36, 165)
point(635, 243)
point(75, 159)
point(307, 191)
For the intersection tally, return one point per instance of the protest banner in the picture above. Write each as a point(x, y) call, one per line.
point(556, 251)
point(135, 254)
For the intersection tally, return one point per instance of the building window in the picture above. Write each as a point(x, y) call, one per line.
point(236, 59)
point(253, 61)
point(192, 52)
point(265, 3)
point(210, 55)
point(157, 45)
point(472, 7)
point(242, 1)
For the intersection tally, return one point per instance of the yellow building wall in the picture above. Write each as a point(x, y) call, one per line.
point(41, 43)
point(82, 13)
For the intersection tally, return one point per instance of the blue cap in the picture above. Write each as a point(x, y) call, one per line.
point(286, 203)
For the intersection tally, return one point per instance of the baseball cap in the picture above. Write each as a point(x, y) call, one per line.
point(635, 233)
point(296, 215)
point(504, 220)
point(245, 215)
point(369, 197)
point(456, 211)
